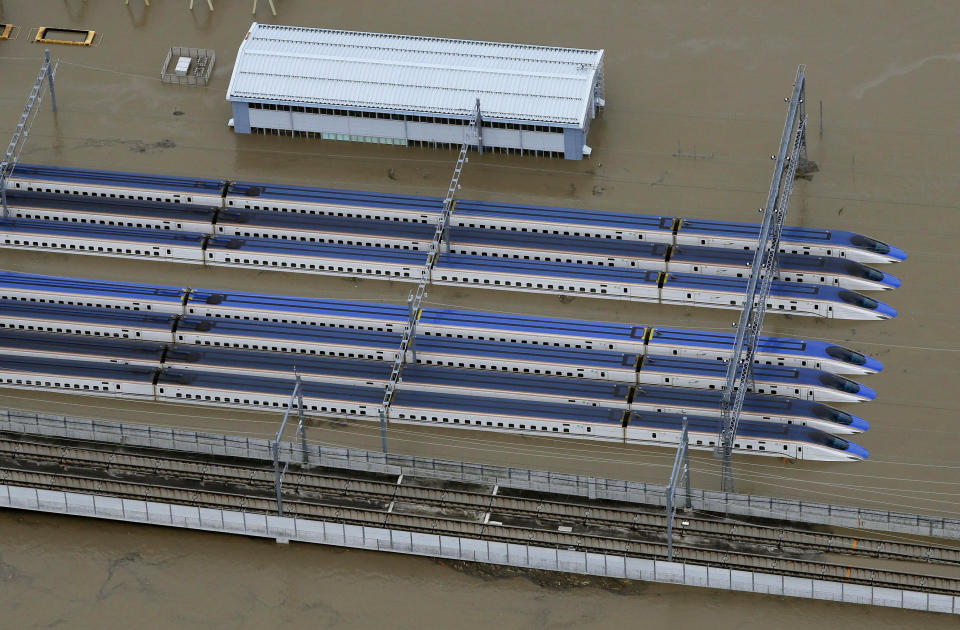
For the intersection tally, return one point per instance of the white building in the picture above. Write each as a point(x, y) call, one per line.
point(400, 89)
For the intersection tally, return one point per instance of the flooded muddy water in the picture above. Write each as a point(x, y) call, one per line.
point(694, 110)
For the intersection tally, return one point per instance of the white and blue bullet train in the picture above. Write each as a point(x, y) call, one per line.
point(421, 408)
point(521, 329)
point(629, 368)
point(467, 382)
point(120, 186)
point(451, 269)
point(482, 242)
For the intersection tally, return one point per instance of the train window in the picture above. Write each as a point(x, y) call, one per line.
point(700, 442)
point(653, 435)
point(784, 447)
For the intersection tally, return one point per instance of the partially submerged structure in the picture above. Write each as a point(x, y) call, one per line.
point(407, 90)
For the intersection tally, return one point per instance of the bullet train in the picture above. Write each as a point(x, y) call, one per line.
point(302, 339)
point(379, 233)
point(472, 241)
point(110, 186)
point(502, 327)
point(467, 382)
point(451, 269)
point(419, 407)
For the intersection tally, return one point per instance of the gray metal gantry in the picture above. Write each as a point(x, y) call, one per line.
point(763, 271)
point(296, 398)
point(415, 301)
point(679, 474)
point(22, 131)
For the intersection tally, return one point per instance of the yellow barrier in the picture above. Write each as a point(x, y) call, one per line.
point(41, 36)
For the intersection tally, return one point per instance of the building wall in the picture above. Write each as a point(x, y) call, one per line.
point(389, 131)
point(573, 140)
point(241, 117)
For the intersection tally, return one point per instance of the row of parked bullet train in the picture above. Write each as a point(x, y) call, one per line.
point(474, 370)
point(495, 246)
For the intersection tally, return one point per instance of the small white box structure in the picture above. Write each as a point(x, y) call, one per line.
point(183, 66)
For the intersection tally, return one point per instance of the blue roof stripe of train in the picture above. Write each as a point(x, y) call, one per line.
point(145, 181)
point(542, 219)
point(521, 329)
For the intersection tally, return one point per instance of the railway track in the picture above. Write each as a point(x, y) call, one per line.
point(403, 504)
point(491, 507)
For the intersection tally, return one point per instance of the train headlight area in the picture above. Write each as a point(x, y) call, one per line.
point(418, 407)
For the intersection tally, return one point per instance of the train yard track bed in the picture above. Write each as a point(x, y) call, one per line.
point(474, 510)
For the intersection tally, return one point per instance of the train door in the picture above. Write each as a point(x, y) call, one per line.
point(799, 452)
point(809, 393)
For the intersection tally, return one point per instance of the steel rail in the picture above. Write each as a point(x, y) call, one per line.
point(784, 540)
point(224, 499)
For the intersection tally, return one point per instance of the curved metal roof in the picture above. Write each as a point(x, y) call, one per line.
point(414, 74)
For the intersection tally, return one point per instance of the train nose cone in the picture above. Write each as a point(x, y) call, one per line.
point(896, 253)
point(872, 365)
point(859, 424)
point(890, 282)
point(885, 311)
point(866, 393)
point(855, 451)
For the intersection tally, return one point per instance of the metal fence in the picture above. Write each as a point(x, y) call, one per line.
point(285, 529)
point(505, 477)
point(201, 66)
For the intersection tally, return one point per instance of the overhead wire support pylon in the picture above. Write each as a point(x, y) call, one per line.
point(22, 131)
point(763, 271)
point(679, 474)
point(438, 245)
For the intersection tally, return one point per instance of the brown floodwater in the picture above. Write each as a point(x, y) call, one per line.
point(694, 110)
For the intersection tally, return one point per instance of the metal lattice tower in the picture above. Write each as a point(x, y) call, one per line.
point(415, 301)
point(763, 271)
point(296, 398)
point(679, 474)
point(22, 131)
